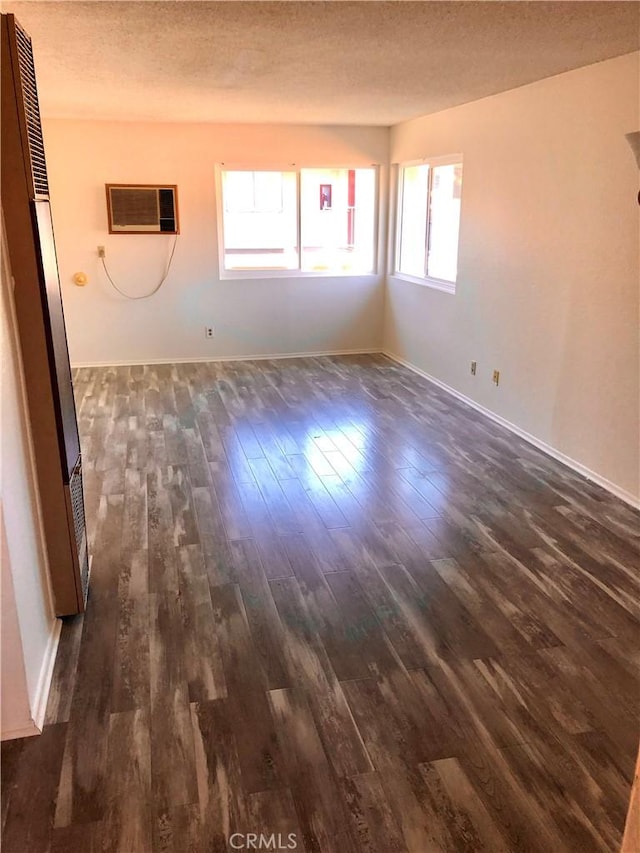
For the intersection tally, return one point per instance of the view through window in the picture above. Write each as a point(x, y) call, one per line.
point(334, 220)
point(429, 220)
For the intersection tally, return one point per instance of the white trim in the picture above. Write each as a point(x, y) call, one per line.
point(279, 166)
point(24, 731)
point(578, 467)
point(436, 160)
point(290, 273)
point(203, 359)
point(229, 274)
point(39, 707)
point(426, 281)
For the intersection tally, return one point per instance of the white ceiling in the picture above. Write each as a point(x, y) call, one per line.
point(372, 63)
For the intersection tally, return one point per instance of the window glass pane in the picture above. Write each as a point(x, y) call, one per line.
point(260, 220)
point(268, 191)
point(338, 208)
point(413, 219)
point(238, 191)
point(444, 224)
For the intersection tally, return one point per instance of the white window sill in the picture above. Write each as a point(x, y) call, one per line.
point(230, 275)
point(434, 283)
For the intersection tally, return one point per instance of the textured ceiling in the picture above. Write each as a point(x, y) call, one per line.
point(306, 62)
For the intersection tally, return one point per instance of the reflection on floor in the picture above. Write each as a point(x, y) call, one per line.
point(330, 602)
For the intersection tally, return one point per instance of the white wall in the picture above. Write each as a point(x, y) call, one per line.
point(251, 317)
point(29, 629)
point(547, 287)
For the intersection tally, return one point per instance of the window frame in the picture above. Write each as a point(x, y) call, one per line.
point(225, 274)
point(427, 280)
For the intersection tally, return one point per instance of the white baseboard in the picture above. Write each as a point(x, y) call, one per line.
point(214, 358)
point(578, 467)
point(39, 708)
point(46, 674)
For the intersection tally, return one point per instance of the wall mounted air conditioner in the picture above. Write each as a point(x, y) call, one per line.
point(142, 209)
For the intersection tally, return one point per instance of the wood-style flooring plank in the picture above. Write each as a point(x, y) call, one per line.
point(221, 794)
point(371, 815)
point(173, 777)
point(261, 612)
point(82, 786)
point(65, 669)
point(30, 792)
point(203, 659)
point(258, 753)
point(178, 830)
point(131, 678)
point(127, 823)
point(274, 812)
point(321, 811)
point(310, 667)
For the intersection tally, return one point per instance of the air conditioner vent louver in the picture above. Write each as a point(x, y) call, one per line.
point(80, 526)
point(134, 207)
point(32, 115)
point(142, 209)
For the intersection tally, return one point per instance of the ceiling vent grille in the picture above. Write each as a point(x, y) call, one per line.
point(32, 114)
point(142, 209)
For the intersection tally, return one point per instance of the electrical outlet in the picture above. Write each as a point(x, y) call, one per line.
point(209, 332)
point(474, 367)
point(101, 252)
point(496, 377)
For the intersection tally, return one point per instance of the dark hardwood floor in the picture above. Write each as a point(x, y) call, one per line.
point(329, 599)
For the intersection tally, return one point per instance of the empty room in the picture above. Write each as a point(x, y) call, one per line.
point(320, 472)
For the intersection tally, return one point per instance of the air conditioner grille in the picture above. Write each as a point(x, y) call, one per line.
point(79, 525)
point(134, 206)
point(32, 114)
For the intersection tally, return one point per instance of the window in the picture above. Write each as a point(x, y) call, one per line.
point(337, 218)
point(329, 213)
point(260, 220)
point(429, 196)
